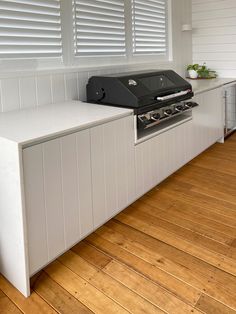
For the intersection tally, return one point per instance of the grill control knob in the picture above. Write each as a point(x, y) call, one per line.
point(167, 112)
point(144, 119)
point(179, 108)
point(188, 105)
point(156, 116)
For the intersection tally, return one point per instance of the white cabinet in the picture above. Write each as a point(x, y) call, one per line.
point(57, 190)
point(160, 156)
point(75, 183)
point(165, 153)
point(113, 169)
point(57, 180)
point(208, 120)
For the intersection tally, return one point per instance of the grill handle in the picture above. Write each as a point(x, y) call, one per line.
point(175, 95)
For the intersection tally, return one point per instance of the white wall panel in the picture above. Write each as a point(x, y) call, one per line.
point(214, 35)
point(44, 90)
point(71, 86)
point(10, 94)
point(27, 92)
point(58, 88)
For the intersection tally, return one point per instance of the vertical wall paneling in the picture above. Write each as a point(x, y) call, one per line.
point(82, 81)
point(27, 92)
point(10, 94)
point(44, 92)
point(58, 88)
point(214, 35)
point(71, 86)
point(53, 197)
point(1, 105)
point(84, 182)
point(35, 207)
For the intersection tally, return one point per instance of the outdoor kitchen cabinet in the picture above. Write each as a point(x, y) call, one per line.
point(163, 154)
point(75, 183)
point(208, 120)
point(160, 156)
point(57, 190)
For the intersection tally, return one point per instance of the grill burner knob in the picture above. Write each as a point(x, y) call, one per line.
point(179, 108)
point(188, 105)
point(144, 120)
point(156, 116)
point(167, 112)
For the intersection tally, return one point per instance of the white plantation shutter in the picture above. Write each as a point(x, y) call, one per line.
point(30, 28)
point(149, 26)
point(99, 27)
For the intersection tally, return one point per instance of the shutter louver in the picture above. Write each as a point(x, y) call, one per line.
point(30, 29)
point(99, 28)
point(149, 26)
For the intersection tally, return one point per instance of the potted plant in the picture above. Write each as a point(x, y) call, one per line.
point(193, 70)
point(205, 72)
point(200, 71)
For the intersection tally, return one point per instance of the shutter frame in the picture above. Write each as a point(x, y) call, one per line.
point(30, 29)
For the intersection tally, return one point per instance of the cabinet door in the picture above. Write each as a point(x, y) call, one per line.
point(160, 156)
point(57, 180)
point(113, 169)
point(208, 125)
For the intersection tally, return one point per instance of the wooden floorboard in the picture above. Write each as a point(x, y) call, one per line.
point(172, 251)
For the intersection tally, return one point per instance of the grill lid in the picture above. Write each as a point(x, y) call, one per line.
point(139, 90)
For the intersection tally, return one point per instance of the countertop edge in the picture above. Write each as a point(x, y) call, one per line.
point(91, 119)
point(72, 130)
point(201, 90)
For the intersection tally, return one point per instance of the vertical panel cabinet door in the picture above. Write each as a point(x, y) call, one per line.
point(208, 125)
point(160, 156)
point(113, 168)
point(57, 179)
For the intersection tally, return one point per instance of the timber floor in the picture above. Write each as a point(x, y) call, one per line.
point(172, 251)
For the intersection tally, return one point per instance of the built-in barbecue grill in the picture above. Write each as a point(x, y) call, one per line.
point(155, 96)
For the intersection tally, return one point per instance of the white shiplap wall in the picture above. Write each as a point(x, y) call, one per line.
point(214, 35)
point(36, 88)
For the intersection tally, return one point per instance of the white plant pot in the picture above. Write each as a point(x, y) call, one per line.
point(193, 74)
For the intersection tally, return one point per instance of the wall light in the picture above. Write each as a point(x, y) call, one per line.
point(186, 27)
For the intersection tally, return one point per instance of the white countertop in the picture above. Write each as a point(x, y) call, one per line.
point(27, 126)
point(200, 86)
